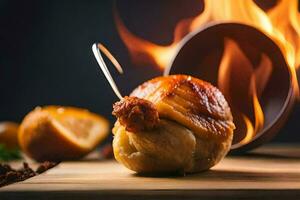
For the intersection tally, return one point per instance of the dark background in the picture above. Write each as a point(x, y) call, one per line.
point(46, 57)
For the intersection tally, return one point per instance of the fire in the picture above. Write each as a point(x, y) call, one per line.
point(281, 24)
point(232, 79)
point(249, 131)
point(140, 48)
point(286, 18)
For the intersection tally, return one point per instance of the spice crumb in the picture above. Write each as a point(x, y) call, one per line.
point(9, 175)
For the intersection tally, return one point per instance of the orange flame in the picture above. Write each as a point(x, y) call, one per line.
point(138, 47)
point(232, 79)
point(281, 24)
point(286, 18)
point(249, 131)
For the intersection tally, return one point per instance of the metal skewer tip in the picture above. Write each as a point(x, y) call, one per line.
point(103, 67)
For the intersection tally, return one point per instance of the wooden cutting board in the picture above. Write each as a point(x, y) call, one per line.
point(270, 172)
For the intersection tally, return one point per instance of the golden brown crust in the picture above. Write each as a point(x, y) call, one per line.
point(168, 148)
point(210, 100)
point(136, 114)
point(190, 101)
point(194, 132)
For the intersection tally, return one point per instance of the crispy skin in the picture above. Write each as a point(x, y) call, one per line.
point(193, 134)
point(136, 114)
point(191, 102)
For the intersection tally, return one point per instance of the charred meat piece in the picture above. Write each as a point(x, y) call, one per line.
point(136, 114)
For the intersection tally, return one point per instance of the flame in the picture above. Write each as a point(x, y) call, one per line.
point(281, 24)
point(258, 112)
point(246, 12)
point(138, 47)
point(249, 131)
point(286, 18)
point(232, 79)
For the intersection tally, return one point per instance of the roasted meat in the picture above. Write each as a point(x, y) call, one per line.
point(172, 123)
point(136, 114)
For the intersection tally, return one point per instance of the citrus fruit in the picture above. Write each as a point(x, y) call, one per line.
point(57, 133)
point(9, 134)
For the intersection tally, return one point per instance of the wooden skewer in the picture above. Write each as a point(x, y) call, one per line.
point(96, 50)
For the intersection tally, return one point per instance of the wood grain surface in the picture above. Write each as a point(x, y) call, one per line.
point(270, 172)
